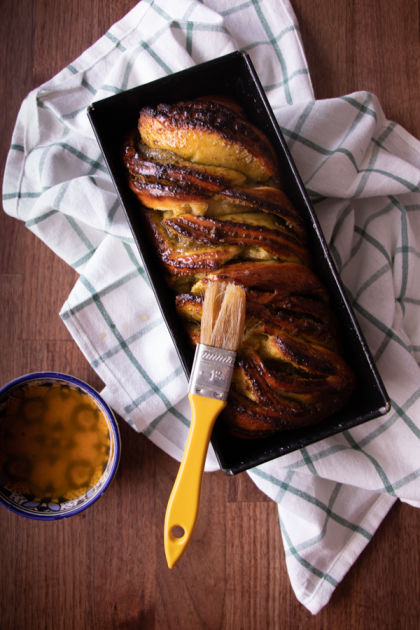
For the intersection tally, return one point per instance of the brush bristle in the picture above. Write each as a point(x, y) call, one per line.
point(223, 318)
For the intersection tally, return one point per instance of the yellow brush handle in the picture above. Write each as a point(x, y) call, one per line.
point(184, 500)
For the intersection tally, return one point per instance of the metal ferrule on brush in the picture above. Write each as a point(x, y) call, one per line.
point(211, 372)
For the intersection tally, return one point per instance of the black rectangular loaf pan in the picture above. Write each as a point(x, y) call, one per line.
point(233, 75)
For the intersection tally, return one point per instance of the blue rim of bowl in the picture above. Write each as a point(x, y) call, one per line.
point(113, 426)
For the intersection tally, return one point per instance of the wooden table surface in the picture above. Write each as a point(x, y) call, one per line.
point(106, 568)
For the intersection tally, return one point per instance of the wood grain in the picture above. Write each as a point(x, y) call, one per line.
point(106, 567)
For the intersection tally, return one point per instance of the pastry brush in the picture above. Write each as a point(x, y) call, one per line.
point(222, 325)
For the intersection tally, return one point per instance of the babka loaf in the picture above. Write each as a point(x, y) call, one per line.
point(208, 183)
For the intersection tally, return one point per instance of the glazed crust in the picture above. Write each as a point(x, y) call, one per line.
point(211, 133)
point(208, 185)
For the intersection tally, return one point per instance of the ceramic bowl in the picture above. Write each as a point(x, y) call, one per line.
point(59, 446)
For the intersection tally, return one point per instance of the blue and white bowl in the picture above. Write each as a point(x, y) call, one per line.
point(43, 509)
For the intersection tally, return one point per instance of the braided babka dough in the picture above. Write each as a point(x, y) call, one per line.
point(208, 184)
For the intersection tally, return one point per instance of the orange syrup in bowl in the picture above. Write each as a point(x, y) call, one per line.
point(59, 446)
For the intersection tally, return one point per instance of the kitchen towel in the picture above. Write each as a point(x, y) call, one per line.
point(362, 173)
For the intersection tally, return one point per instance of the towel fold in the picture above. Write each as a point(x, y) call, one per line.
point(363, 175)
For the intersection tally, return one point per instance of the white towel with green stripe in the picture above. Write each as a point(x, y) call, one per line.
point(362, 173)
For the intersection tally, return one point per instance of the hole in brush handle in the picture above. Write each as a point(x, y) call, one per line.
point(177, 531)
